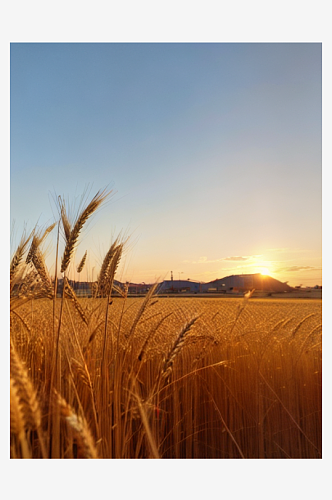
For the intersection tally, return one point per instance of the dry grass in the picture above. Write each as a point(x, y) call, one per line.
point(119, 377)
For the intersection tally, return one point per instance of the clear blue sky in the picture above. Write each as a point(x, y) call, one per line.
point(213, 151)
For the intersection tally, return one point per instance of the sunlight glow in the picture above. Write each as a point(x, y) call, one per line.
point(265, 271)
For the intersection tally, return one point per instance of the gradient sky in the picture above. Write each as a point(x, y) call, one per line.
point(213, 151)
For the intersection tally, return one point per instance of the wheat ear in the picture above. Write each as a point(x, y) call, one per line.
point(109, 279)
point(72, 295)
point(37, 240)
point(81, 264)
point(17, 422)
point(25, 324)
point(105, 265)
point(176, 348)
point(18, 256)
point(65, 222)
point(26, 393)
point(85, 441)
point(72, 237)
point(296, 329)
point(39, 263)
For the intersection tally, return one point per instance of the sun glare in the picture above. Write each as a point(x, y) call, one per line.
point(264, 271)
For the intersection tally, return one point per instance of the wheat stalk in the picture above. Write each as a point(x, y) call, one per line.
point(141, 310)
point(145, 422)
point(241, 307)
point(148, 338)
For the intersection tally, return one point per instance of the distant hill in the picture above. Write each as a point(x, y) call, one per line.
point(244, 282)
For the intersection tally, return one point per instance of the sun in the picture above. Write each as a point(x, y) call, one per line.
point(265, 271)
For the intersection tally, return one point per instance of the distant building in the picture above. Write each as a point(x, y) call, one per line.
point(137, 288)
point(179, 286)
point(245, 282)
point(84, 289)
point(230, 284)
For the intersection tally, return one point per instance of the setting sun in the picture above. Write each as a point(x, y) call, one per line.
point(265, 271)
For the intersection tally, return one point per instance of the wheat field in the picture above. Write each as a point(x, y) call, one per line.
point(151, 377)
point(242, 380)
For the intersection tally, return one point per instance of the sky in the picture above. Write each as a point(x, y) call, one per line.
point(213, 152)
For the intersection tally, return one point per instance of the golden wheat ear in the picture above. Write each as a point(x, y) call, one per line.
point(37, 240)
point(176, 348)
point(46, 282)
point(85, 442)
point(25, 409)
point(102, 278)
point(18, 255)
point(82, 263)
point(72, 237)
point(70, 293)
point(25, 391)
point(17, 425)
